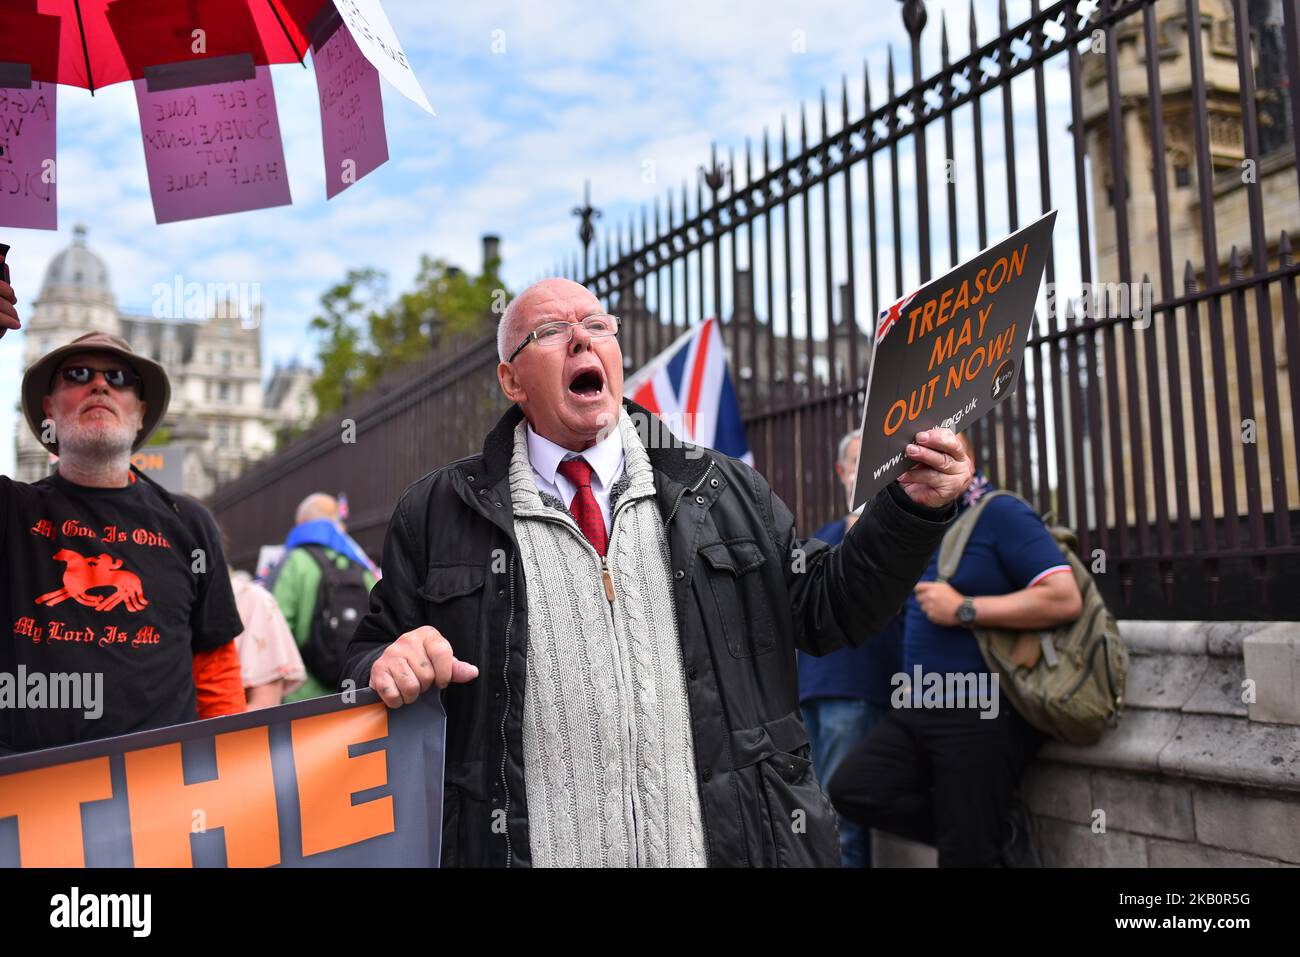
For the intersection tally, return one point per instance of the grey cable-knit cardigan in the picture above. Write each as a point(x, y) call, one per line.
point(608, 757)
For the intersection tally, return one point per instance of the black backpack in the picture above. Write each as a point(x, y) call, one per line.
point(342, 600)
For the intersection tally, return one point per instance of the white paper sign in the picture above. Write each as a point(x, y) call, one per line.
point(374, 35)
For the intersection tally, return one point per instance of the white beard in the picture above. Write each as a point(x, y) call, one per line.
point(94, 442)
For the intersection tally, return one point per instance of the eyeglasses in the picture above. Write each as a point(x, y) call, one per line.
point(549, 335)
point(117, 378)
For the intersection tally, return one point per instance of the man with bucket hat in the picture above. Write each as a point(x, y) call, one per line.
point(115, 593)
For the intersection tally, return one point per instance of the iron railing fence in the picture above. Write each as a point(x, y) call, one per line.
point(1158, 406)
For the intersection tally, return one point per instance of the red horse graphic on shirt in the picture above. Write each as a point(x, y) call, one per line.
point(103, 571)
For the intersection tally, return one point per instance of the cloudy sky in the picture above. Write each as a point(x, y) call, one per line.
point(531, 100)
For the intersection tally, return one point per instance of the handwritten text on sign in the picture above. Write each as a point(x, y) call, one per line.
point(351, 112)
point(213, 149)
point(27, 167)
point(375, 36)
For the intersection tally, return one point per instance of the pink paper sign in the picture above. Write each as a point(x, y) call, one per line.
point(27, 167)
point(213, 149)
point(351, 112)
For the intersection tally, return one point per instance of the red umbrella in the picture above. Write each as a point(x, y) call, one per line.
point(93, 43)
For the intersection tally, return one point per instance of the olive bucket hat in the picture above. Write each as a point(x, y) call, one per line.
point(38, 382)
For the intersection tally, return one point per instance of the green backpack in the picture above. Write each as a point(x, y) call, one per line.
point(1068, 681)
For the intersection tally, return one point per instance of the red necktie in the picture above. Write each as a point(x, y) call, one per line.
point(584, 508)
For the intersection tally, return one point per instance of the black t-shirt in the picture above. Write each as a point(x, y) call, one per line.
point(120, 582)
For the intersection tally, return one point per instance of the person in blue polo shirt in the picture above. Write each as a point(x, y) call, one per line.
point(943, 766)
point(843, 694)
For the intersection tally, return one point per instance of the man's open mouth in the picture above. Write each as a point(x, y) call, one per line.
point(587, 384)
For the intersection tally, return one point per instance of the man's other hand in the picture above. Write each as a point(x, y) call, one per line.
point(939, 602)
point(415, 662)
point(8, 314)
point(942, 470)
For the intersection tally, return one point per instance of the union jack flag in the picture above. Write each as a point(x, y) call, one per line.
point(890, 316)
point(689, 386)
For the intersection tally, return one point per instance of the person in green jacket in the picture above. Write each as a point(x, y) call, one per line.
point(297, 580)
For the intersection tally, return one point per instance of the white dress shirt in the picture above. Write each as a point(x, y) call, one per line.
point(605, 459)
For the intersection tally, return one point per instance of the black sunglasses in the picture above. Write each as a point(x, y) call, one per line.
point(117, 378)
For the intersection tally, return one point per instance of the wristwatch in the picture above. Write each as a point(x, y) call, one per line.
point(966, 613)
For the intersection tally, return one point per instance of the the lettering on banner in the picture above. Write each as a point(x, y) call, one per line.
point(326, 782)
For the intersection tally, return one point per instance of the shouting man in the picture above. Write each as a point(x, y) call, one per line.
point(614, 615)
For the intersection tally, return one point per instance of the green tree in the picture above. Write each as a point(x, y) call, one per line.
point(445, 302)
point(364, 337)
point(347, 309)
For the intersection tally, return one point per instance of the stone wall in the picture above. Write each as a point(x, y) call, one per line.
point(1203, 770)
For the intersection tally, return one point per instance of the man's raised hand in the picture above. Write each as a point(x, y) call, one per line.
point(8, 314)
point(415, 662)
point(942, 470)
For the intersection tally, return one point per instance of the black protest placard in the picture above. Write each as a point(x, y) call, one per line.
point(948, 353)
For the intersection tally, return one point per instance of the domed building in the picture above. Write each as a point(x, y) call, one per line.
point(221, 417)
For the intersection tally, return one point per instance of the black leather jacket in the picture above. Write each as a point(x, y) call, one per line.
point(747, 593)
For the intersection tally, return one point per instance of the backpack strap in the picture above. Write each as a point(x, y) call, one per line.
point(166, 495)
point(328, 568)
point(322, 560)
point(955, 539)
point(317, 552)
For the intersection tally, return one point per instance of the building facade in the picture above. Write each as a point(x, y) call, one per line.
point(1234, 170)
